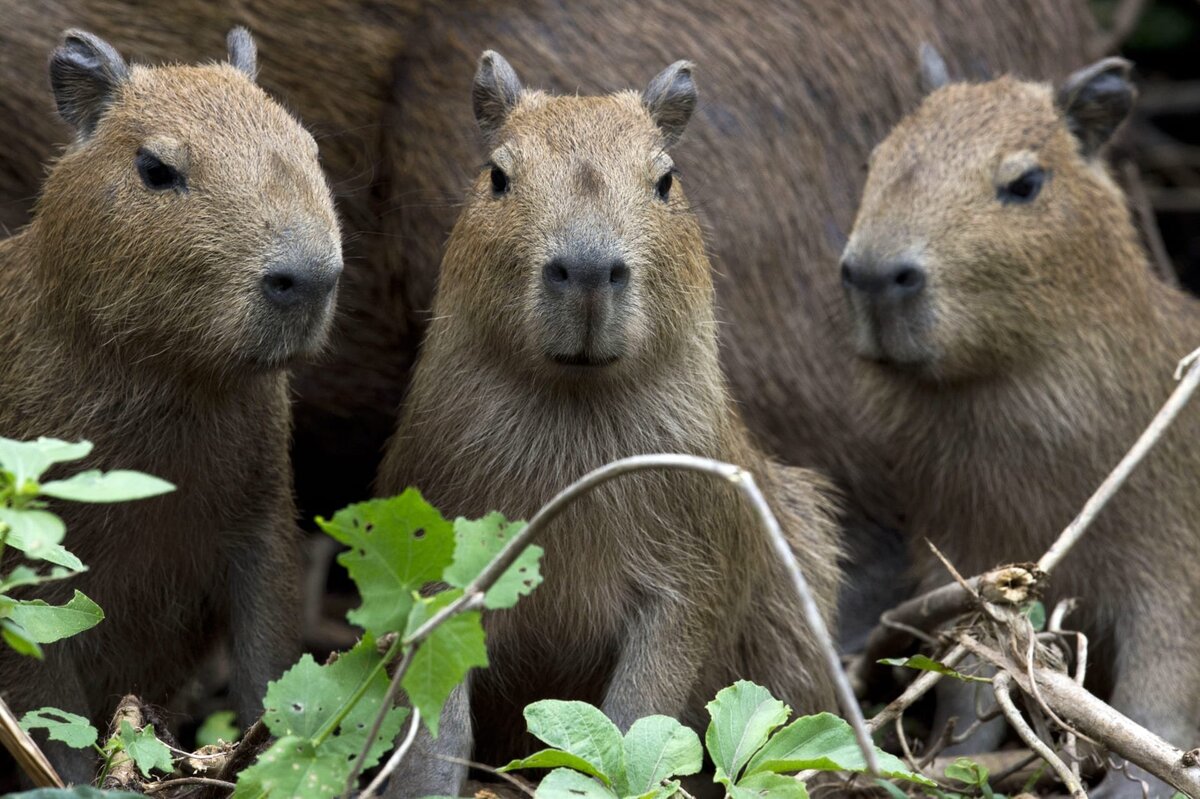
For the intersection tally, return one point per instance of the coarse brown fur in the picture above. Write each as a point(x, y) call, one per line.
point(798, 93)
point(659, 589)
point(135, 318)
point(1040, 349)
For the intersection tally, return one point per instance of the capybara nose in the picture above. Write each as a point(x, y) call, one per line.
point(586, 274)
point(892, 280)
point(305, 281)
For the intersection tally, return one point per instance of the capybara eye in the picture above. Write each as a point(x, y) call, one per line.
point(157, 175)
point(663, 188)
point(500, 182)
point(1025, 188)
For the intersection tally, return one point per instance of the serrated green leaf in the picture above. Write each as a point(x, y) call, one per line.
point(743, 716)
point(218, 728)
point(22, 576)
point(766, 784)
point(441, 662)
point(45, 624)
point(28, 460)
point(310, 696)
point(566, 784)
point(15, 636)
point(144, 748)
point(823, 742)
point(398, 545)
point(118, 485)
point(658, 747)
point(582, 730)
point(553, 758)
point(477, 543)
point(73, 730)
point(293, 767)
point(925, 663)
point(38, 534)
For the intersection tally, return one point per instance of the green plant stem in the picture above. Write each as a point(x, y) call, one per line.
point(358, 694)
point(388, 699)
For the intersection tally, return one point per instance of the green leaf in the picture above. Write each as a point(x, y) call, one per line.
point(115, 486)
point(23, 576)
point(566, 784)
point(146, 751)
point(1037, 615)
point(582, 730)
point(75, 731)
point(743, 715)
point(441, 662)
point(293, 767)
point(924, 663)
point(15, 636)
point(45, 624)
point(28, 460)
point(664, 791)
point(766, 784)
point(309, 696)
point(38, 534)
point(826, 743)
point(658, 747)
point(218, 728)
point(966, 770)
point(891, 789)
point(554, 758)
point(397, 546)
point(477, 543)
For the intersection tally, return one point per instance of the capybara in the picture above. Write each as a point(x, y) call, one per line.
point(799, 92)
point(1014, 344)
point(573, 325)
point(183, 252)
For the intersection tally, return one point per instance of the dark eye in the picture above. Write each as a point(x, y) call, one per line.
point(663, 187)
point(1025, 188)
point(155, 174)
point(500, 181)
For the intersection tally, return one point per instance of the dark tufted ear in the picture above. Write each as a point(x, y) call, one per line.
point(85, 74)
point(243, 53)
point(1096, 100)
point(494, 94)
point(933, 71)
point(671, 98)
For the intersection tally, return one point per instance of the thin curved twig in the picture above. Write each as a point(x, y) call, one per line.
point(389, 699)
point(396, 757)
point(1002, 686)
point(1146, 441)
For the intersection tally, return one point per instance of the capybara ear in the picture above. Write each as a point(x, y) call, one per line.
point(671, 98)
point(1096, 100)
point(494, 94)
point(243, 53)
point(933, 71)
point(85, 73)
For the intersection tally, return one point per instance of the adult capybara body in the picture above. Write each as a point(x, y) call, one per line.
point(1015, 345)
point(183, 252)
point(574, 326)
point(799, 92)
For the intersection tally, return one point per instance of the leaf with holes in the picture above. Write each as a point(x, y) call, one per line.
point(309, 697)
point(293, 767)
point(397, 546)
point(75, 731)
point(477, 543)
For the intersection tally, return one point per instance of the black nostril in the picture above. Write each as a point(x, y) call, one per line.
point(556, 272)
point(908, 279)
point(293, 283)
point(279, 283)
point(619, 275)
point(847, 275)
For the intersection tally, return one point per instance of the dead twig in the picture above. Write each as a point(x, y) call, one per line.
point(1002, 687)
point(918, 688)
point(521, 785)
point(397, 756)
point(122, 771)
point(157, 787)
point(26, 752)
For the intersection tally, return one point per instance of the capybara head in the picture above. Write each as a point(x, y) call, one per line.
point(987, 225)
point(189, 220)
point(577, 255)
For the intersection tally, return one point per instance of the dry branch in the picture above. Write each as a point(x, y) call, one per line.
point(26, 752)
point(122, 773)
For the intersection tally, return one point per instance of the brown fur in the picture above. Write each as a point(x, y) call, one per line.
point(1043, 349)
point(135, 319)
point(660, 589)
point(798, 93)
